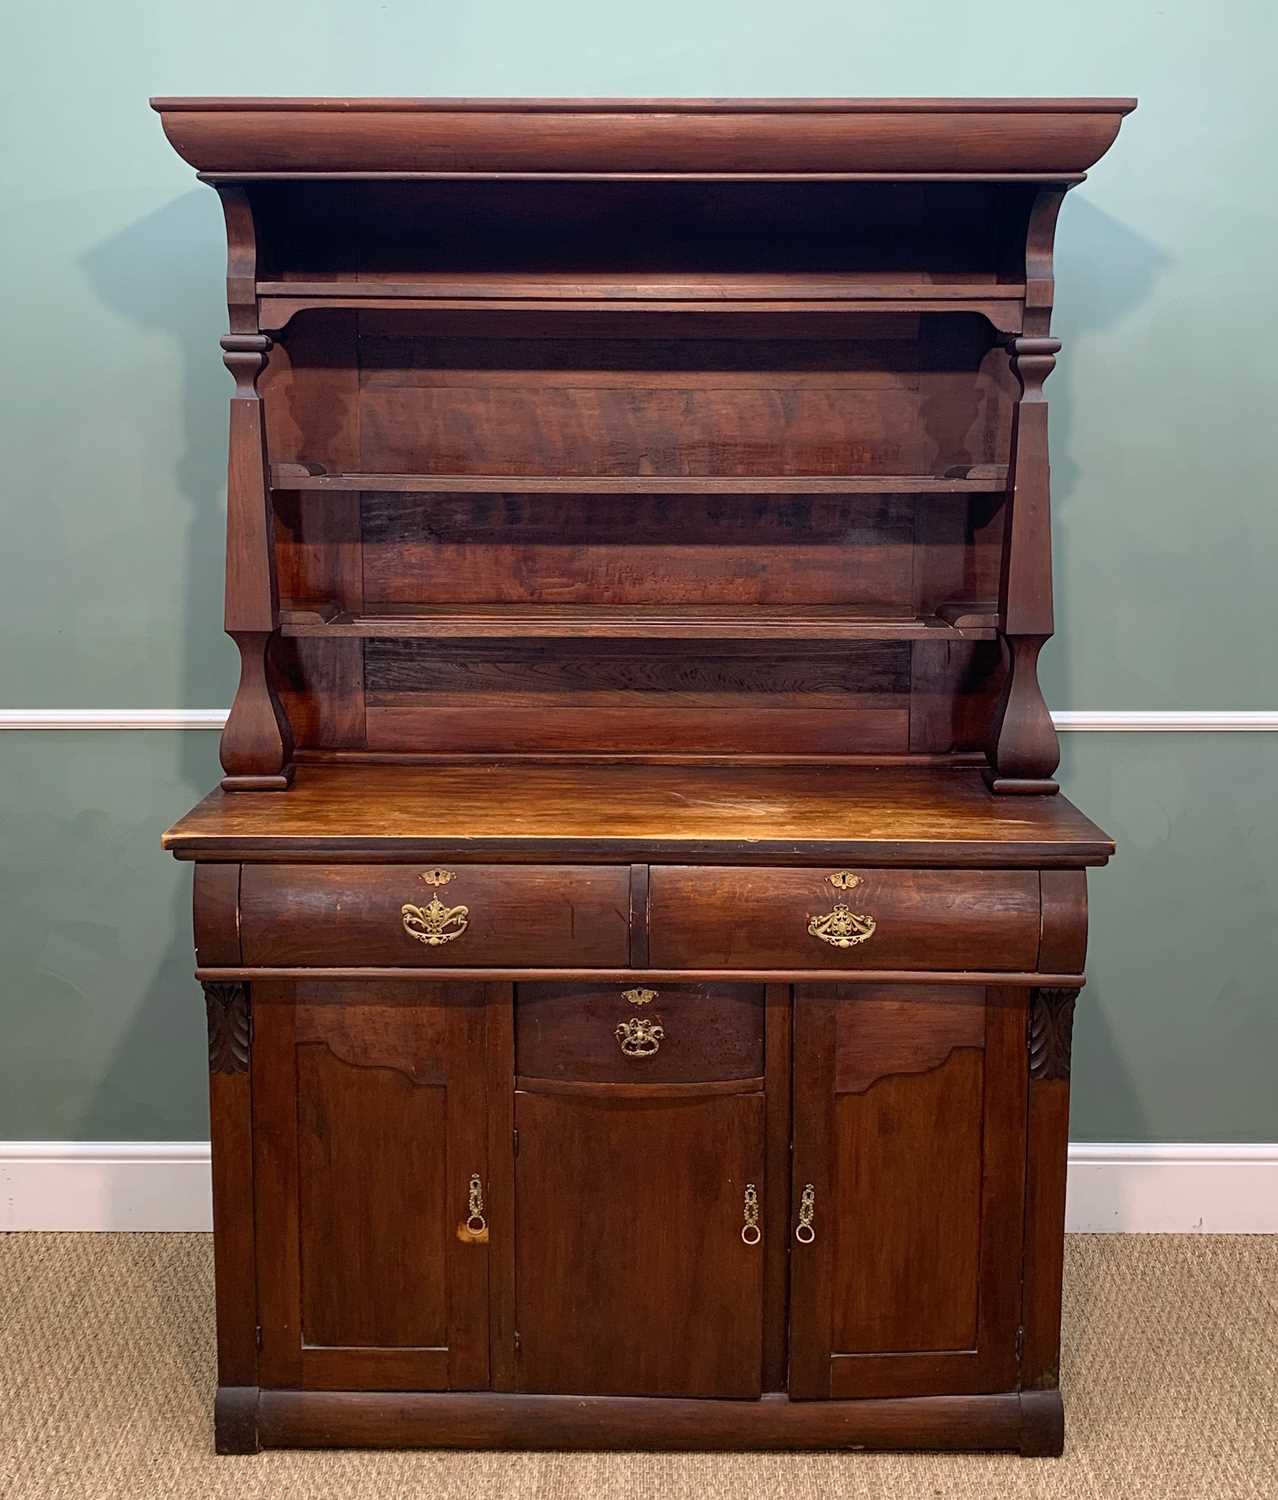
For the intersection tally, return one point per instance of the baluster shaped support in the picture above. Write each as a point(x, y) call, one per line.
point(1023, 751)
point(257, 744)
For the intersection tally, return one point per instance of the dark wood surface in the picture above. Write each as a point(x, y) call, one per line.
point(911, 1291)
point(535, 810)
point(575, 916)
point(1028, 1423)
point(374, 1108)
point(632, 1277)
point(756, 918)
point(568, 1032)
point(639, 556)
point(1043, 136)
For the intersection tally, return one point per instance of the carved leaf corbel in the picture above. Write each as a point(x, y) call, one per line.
point(230, 1029)
point(1051, 1032)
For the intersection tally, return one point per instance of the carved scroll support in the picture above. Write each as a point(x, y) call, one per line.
point(1023, 751)
point(257, 744)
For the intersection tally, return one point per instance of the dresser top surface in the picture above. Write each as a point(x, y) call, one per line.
point(625, 810)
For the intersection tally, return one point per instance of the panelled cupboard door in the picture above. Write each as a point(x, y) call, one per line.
point(632, 1274)
point(906, 1213)
point(369, 1115)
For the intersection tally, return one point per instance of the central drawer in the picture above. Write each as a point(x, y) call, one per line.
point(718, 917)
point(638, 1033)
point(453, 916)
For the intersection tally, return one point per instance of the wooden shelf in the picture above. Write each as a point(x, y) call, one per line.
point(979, 480)
point(958, 621)
point(658, 286)
point(1000, 302)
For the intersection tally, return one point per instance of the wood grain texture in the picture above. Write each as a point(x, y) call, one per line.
point(371, 1115)
point(569, 1032)
point(863, 135)
point(906, 1293)
point(823, 814)
point(559, 914)
point(597, 1179)
point(301, 1419)
point(1063, 941)
point(761, 918)
point(215, 908)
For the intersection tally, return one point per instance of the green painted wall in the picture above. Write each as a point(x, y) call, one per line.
point(114, 410)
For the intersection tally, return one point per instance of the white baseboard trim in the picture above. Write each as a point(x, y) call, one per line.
point(1173, 1189)
point(164, 1185)
point(101, 1185)
point(1103, 720)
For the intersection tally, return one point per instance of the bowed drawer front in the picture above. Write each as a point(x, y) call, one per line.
point(454, 916)
point(658, 1033)
point(756, 918)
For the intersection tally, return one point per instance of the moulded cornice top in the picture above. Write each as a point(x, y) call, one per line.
point(1033, 138)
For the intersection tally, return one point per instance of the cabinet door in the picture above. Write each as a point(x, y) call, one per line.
point(632, 1276)
point(369, 1106)
point(909, 1149)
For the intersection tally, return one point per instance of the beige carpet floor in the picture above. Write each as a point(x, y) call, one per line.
point(106, 1371)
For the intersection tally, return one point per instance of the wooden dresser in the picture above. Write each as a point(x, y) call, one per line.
point(639, 927)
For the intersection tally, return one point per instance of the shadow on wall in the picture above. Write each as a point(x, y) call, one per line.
point(1105, 271)
point(166, 273)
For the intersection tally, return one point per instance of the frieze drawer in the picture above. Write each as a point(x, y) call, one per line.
point(704, 917)
point(445, 916)
point(639, 1033)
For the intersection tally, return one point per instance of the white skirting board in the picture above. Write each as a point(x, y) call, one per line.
point(164, 1186)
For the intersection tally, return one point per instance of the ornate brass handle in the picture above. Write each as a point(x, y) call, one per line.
point(750, 1231)
point(476, 1224)
point(842, 927)
point(640, 1037)
point(803, 1230)
point(435, 923)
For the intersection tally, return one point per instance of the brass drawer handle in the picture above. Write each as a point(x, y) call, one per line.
point(435, 923)
point(640, 1037)
point(476, 1224)
point(751, 1234)
point(842, 927)
point(803, 1230)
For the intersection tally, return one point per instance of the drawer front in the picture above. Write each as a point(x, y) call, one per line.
point(454, 916)
point(658, 1033)
point(711, 917)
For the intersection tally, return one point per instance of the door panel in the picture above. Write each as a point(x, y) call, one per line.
point(632, 1277)
point(370, 1118)
point(373, 1255)
point(909, 1128)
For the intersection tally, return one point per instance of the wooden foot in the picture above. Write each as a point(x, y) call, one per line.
point(1042, 1424)
point(235, 1419)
